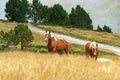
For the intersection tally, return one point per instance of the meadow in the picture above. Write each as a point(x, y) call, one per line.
point(17, 65)
point(39, 45)
point(37, 63)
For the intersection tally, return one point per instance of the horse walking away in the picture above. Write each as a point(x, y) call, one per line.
point(56, 45)
point(91, 50)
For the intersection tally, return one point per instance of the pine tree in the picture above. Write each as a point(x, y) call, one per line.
point(80, 18)
point(36, 11)
point(58, 15)
point(99, 28)
point(17, 10)
point(24, 35)
point(107, 29)
point(9, 38)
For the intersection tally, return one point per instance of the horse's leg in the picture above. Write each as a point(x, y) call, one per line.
point(59, 52)
point(92, 56)
point(96, 56)
point(66, 51)
point(54, 50)
point(87, 54)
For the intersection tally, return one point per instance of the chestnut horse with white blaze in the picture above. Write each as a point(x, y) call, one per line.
point(56, 45)
point(91, 49)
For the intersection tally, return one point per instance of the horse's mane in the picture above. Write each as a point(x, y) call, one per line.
point(92, 45)
point(52, 36)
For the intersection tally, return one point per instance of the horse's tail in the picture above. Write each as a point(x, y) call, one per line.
point(65, 42)
point(66, 47)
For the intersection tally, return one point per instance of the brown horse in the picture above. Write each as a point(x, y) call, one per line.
point(56, 45)
point(91, 49)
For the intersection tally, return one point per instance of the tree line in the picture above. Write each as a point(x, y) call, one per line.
point(22, 11)
point(104, 29)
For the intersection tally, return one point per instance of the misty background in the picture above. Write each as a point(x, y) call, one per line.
point(102, 12)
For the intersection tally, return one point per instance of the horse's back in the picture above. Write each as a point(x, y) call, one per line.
point(87, 45)
point(62, 44)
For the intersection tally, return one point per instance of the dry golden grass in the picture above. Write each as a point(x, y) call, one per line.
point(102, 37)
point(35, 66)
point(38, 39)
point(6, 26)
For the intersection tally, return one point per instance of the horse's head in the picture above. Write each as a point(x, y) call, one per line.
point(94, 47)
point(47, 36)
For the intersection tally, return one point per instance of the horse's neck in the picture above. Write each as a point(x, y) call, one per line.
point(51, 40)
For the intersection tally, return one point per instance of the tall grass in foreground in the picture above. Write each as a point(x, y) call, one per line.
point(18, 65)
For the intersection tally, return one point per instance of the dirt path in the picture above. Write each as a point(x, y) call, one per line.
point(116, 50)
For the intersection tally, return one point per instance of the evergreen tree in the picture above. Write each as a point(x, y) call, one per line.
point(17, 10)
point(1, 36)
point(72, 17)
point(24, 35)
point(58, 15)
point(45, 14)
point(80, 18)
point(107, 29)
point(9, 38)
point(36, 11)
point(99, 28)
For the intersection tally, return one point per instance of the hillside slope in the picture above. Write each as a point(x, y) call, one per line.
point(101, 37)
point(77, 41)
point(39, 45)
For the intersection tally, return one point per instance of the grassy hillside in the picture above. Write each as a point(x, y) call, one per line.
point(6, 25)
point(17, 65)
point(35, 64)
point(39, 45)
point(101, 37)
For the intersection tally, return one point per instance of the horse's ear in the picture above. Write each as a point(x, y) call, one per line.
point(49, 32)
point(96, 44)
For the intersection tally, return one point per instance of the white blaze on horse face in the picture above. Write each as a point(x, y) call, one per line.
point(95, 50)
point(93, 47)
point(46, 39)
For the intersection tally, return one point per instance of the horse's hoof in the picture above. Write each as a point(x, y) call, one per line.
point(68, 55)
